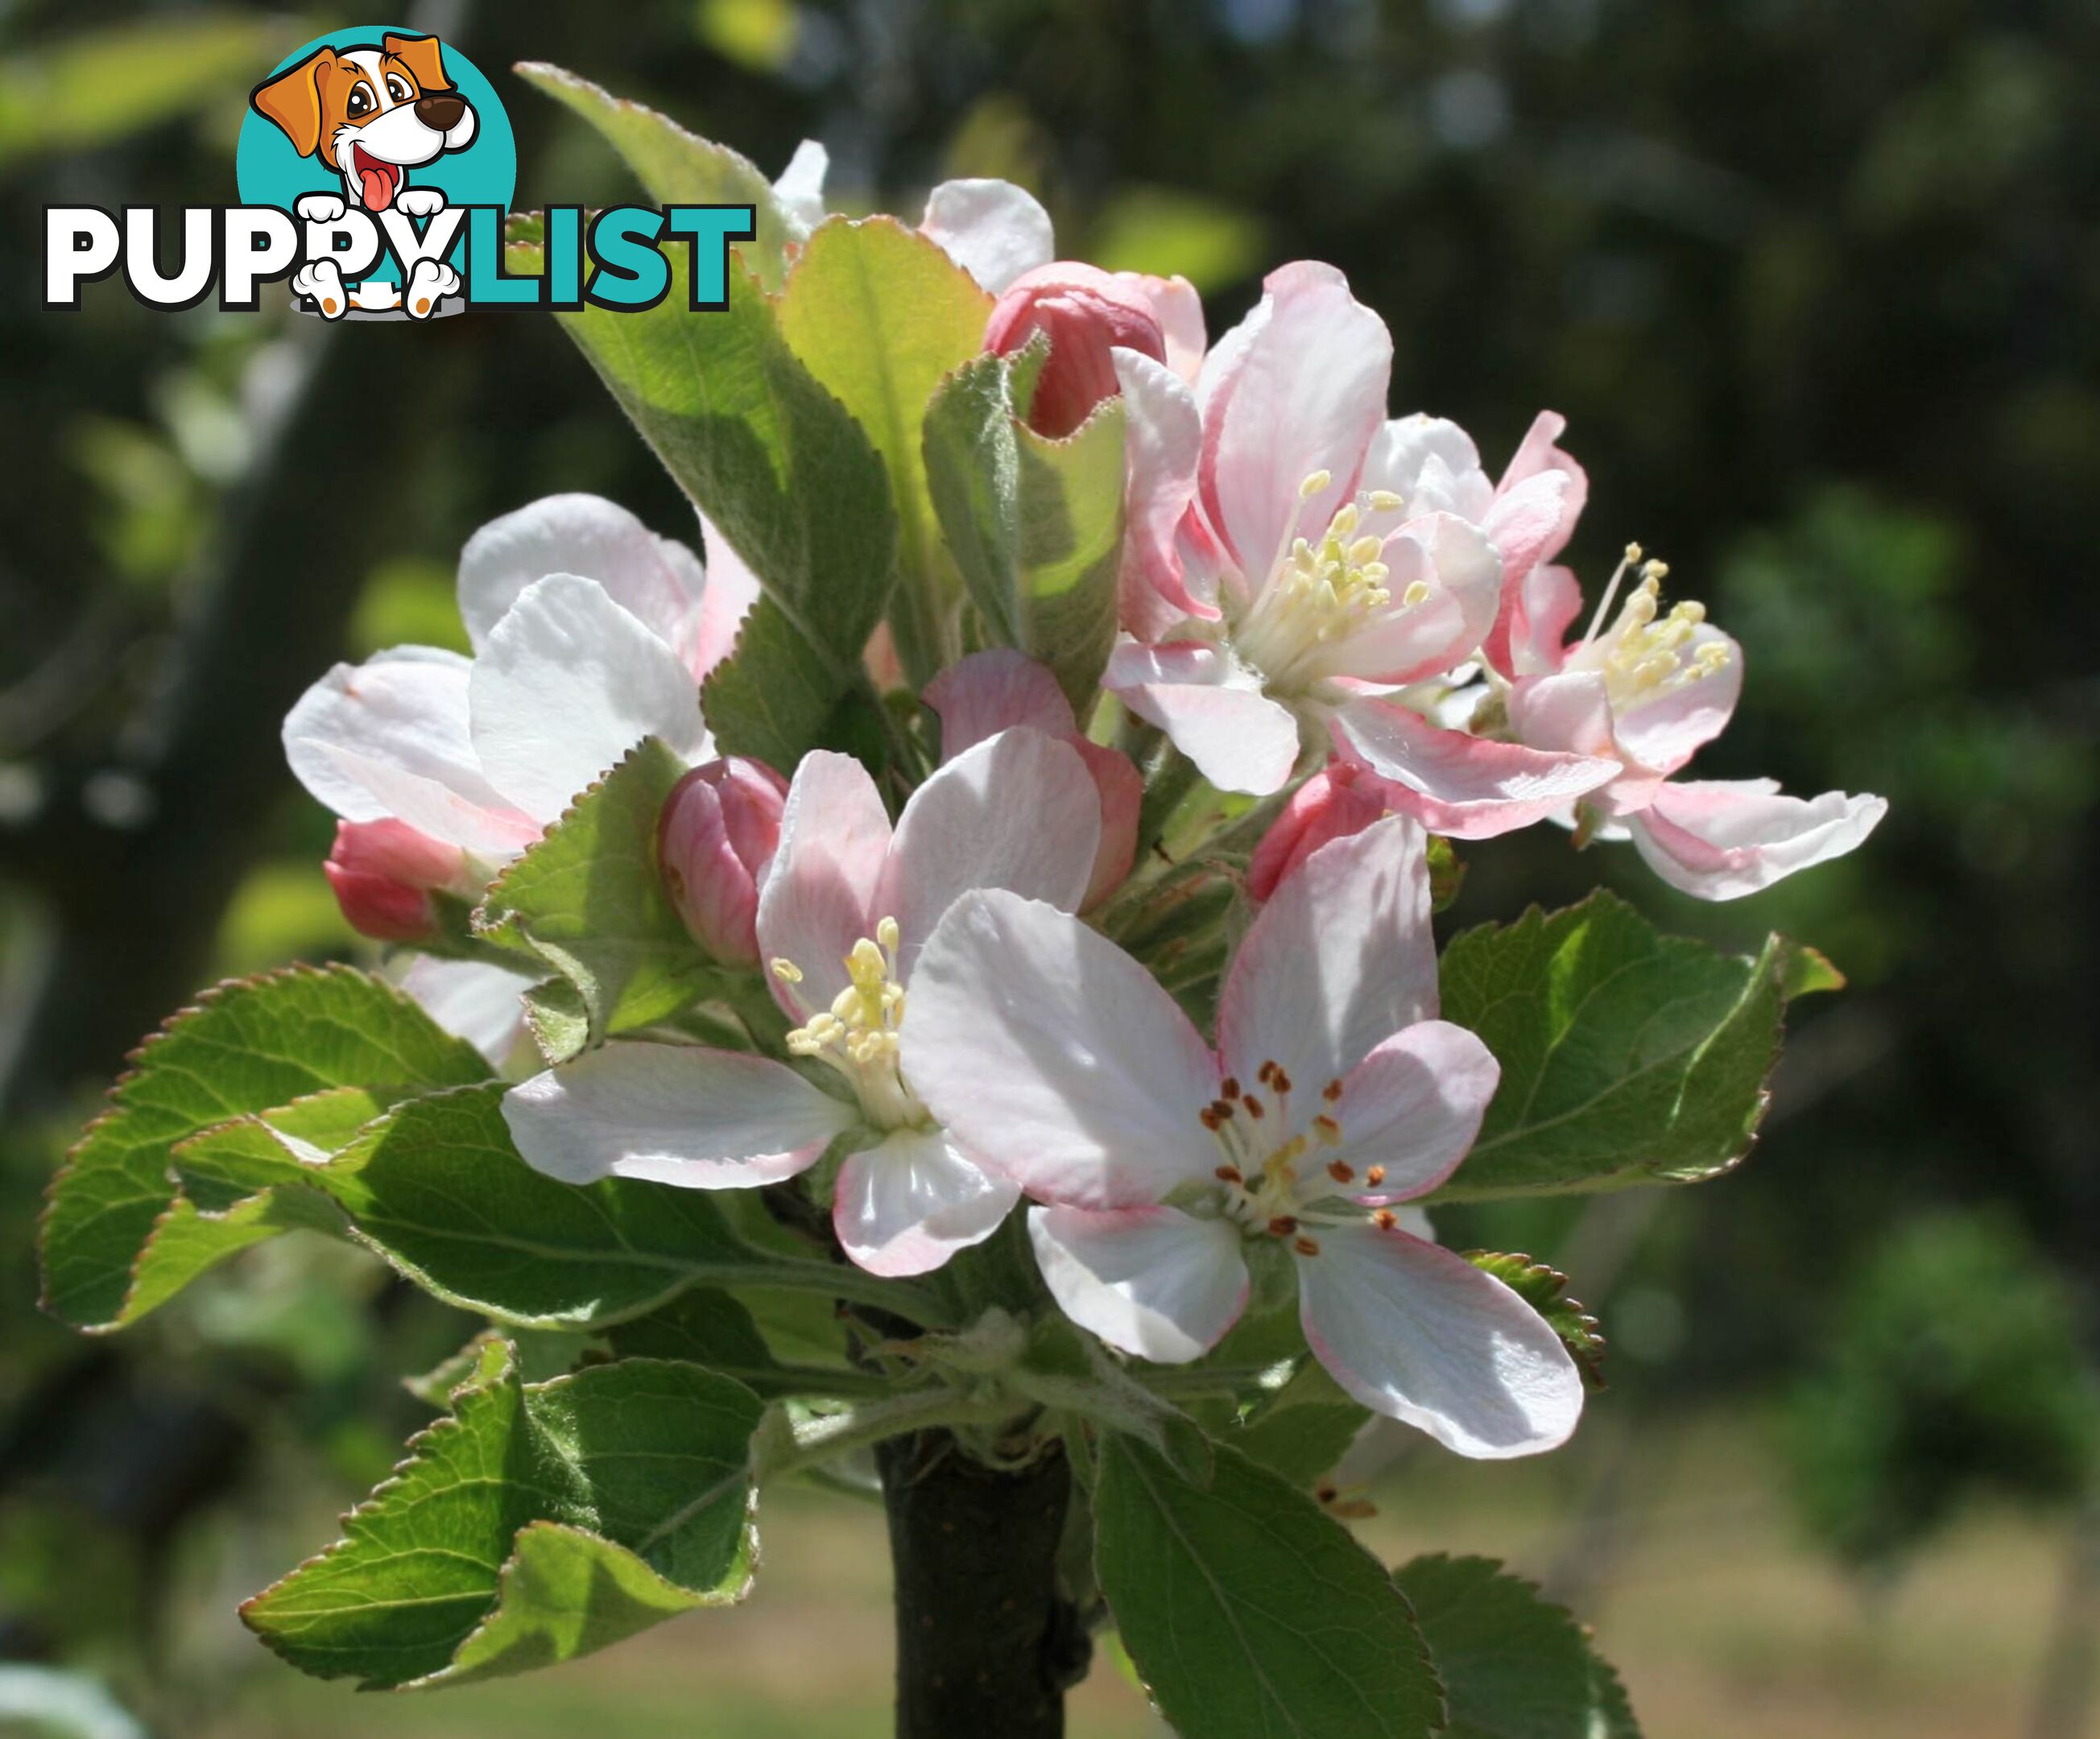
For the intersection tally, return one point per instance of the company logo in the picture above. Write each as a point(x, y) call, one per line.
point(375, 168)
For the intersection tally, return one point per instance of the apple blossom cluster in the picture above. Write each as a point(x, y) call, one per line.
point(1337, 635)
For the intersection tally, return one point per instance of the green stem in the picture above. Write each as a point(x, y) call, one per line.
point(835, 1434)
point(855, 1286)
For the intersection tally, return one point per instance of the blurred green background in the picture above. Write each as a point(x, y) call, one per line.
point(1817, 283)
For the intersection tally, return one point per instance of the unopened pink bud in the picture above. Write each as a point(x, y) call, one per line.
point(1330, 806)
point(717, 833)
point(1085, 313)
point(1122, 788)
point(385, 874)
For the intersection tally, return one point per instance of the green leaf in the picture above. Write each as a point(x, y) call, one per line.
point(1303, 1429)
point(248, 1045)
point(1514, 1665)
point(537, 1523)
point(782, 472)
point(587, 900)
point(704, 1327)
point(1251, 1614)
point(1628, 1056)
point(880, 316)
point(677, 168)
point(1035, 525)
point(1545, 1290)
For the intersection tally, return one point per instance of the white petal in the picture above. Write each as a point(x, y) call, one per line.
point(1018, 811)
point(1431, 464)
point(472, 1000)
point(405, 709)
point(1152, 1281)
point(1460, 575)
point(994, 690)
point(994, 230)
point(1421, 1336)
point(1414, 1107)
point(1054, 1056)
point(677, 1114)
point(1340, 959)
point(731, 590)
point(569, 682)
point(814, 904)
point(1212, 708)
point(907, 1205)
point(585, 535)
point(800, 191)
point(436, 809)
point(1723, 839)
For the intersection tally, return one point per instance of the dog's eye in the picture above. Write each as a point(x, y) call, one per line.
point(360, 101)
point(398, 88)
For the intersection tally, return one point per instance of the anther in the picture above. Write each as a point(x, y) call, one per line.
point(1253, 1107)
point(787, 971)
point(1314, 484)
point(1341, 1170)
point(1283, 1225)
point(1386, 501)
point(1209, 1120)
point(1229, 1174)
point(1331, 1092)
point(1385, 1220)
point(1306, 1247)
point(1328, 1128)
point(1230, 1086)
point(1375, 1176)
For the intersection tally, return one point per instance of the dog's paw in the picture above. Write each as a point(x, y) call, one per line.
point(420, 202)
point(319, 208)
point(321, 284)
point(429, 283)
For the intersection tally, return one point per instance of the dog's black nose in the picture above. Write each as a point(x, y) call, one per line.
point(440, 114)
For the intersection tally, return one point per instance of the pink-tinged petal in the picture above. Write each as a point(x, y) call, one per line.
point(1179, 312)
point(655, 580)
point(1541, 496)
point(1462, 576)
point(1340, 959)
point(567, 683)
point(1152, 1282)
point(995, 691)
point(1306, 396)
point(1213, 709)
point(1421, 1336)
point(1661, 734)
point(994, 230)
point(731, 588)
point(1414, 1107)
point(1548, 602)
point(1120, 788)
point(1335, 803)
point(436, 809)
point(1570, 712)
point(1720, 840)
point(1467, 787)
point(1163, 439)
point(1054, 1058)
point(474, 1000)
point(799, 193)
point(1018, 811)
point(906, 1205)
point(406, 710)
point(814, 902)
point(674, 1114)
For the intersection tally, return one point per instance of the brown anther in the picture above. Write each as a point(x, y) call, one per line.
point(1280, 1080)
point(1253, 1107)
point(1230, 1086)
point(1229, 1174)
point(1305, 1246)
point(1223, 1107)
point(1209, 1118)
point(1331, 1092)
point(1327, 1126)
point(1376, 1175)
point(1341, 1170)
point(1266, 1073)
point(1325, 1492)
point(1385, 1220)
point(1282, 1226)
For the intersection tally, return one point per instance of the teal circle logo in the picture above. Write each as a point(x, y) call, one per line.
point(382, 119)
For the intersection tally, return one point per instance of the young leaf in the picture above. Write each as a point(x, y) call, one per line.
point(1303, 1429)
point(1250, 1613)
point(1628, 1056)
point(534, 1524)
point(1035, 525)
point(879, 315)
point(676, 167)
point(707, 1327)
point(1545, 1290)
point(247, 1046)
point(782, 472)
point(1514, 1665)
point(587, 901)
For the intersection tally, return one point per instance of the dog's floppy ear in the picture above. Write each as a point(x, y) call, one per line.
point(292, 99)
point(422, 56)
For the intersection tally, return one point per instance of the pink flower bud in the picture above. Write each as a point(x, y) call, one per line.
point(1085, 313)
point(1330, 806)
point(385, 874)
point(717, 835)
point(1122, 788)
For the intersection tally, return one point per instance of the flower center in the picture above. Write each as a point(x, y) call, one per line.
point(857, 1035)
point(1273, 1181)
point(1319, 594)
point(1643, 655)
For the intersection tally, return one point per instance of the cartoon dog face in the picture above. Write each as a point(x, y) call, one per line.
point(371, 114)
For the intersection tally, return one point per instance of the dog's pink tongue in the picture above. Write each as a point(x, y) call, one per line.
point(378, 189)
